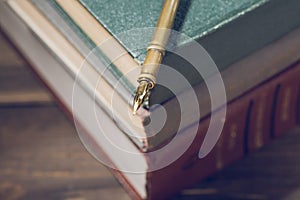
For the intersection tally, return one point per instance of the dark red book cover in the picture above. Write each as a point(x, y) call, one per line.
point(247, 127)
point(189, 169)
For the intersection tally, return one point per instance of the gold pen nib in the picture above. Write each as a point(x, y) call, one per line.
point(142, 93)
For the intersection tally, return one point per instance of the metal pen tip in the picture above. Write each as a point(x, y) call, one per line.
point(136, 105)
point(142, 93)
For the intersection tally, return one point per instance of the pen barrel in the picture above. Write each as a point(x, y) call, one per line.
point(150, 66)
point(156, 49)
point(164, 23)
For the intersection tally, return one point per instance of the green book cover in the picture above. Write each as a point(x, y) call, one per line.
point(194, 18)
point(228, 29)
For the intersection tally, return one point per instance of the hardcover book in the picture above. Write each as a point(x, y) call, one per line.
point(78, 48)
point(237, 22)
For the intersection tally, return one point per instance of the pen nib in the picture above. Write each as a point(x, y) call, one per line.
point(142, 93)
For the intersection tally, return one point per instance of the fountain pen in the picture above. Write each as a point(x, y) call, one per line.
point(155, 53)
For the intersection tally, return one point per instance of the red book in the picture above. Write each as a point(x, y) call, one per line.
point(247, 127)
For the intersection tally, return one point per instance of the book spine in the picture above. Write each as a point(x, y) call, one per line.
point(250, 120)
point(259, 116)
point(230, 146)
point(285, 107)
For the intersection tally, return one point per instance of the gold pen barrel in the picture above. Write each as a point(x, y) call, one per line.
point(164, 24)
point(151, 66)
point(155, 52)
point(156, 49)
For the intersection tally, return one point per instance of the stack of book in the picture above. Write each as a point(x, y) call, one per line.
point(89, 53)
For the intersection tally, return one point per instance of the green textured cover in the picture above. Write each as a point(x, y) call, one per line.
point(194, 18)
point(228, 29)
